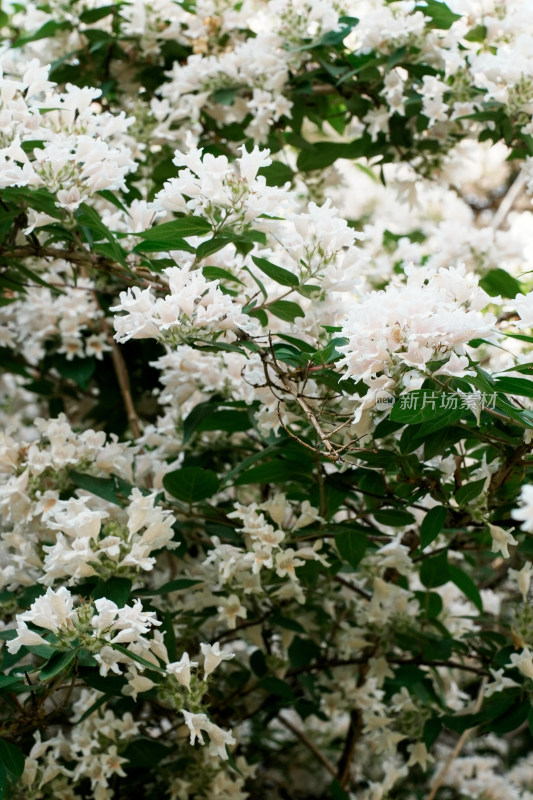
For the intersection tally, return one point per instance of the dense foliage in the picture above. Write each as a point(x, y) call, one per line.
point(266, 399)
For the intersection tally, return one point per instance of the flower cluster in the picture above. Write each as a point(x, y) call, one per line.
point(266, 347)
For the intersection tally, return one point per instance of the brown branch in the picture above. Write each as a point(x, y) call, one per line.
point(352, 737)
point(309, 744)
point(457, 749)
point(123, 380)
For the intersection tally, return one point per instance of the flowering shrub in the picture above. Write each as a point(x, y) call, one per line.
point(266, 343)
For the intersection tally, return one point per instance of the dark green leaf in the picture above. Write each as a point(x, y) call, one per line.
point(302, 652)
point(351, 546)
point(440, 14)
point(172, 586)
point(323, 154)
point(469, 492)
point(434, 571)
point(258, 663)
point(422, 405)
point(135, 657)
point(175, 230)
point(116, 589)
point(95, 14)
point(285, 310)
point(79, 370)
point(498, 281)
point(217, 273)
point(276, 618)
point(396, 517)
point(58, 663)
point(432, 729)
point(278, 274)
point(278, 687)
point(519, 386)
point(191, 484)
point(145, 753)
point(11, 758)
point(277, 471)
point(101, 487)
point(277, 174)
point(432, 525)
point(465, 583)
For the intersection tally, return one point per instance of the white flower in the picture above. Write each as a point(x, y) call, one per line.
point(24, 637)
point(501, 540)
point(523, 578)
point(419, 755)
point(53, 611)
point(524, 662)
point(182, 670)
point(137, 683)
point(525, 512)
point(219, 737)
point(213, 657)
point(230, 608)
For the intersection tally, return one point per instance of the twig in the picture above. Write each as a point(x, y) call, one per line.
point(356, 589)
point(123, 380)
point(458, 747)
point(354, 732)
point(309, 744)
point(508, 201)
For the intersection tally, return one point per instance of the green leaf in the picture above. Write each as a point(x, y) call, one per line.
point(351, 546)
point(277, 174)
point(225, 97)
point(58, 663)
point(101, 487)
point(11, 758)
point(116, 589)
point(191, 484)
point(175, 230)
point(95, 14)
point(441, 16)
point(277, 618)
point(278, 687)
point(498, 281)
point(278, 274)
point(423, 405)
point(469, 492)
point(176, 585)
point(135, 657)
point(10, 681)
point(79, 370)
point(434, 571)
point(323, 154)
point(217, 273)
point(258, 663)
point(302, 652)
point(432, 729)
point(47, 30)
point(396, 517)
point(229, 420)
point(278, 471)
point(86, 215)
point(337, 792)
point(146, 753)
point(519, 386)
point(432, 525)
point(163, 245)
point(477, 34)
point(465, 583)
point(285, 310)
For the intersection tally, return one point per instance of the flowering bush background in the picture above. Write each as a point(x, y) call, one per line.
point(266, 399)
